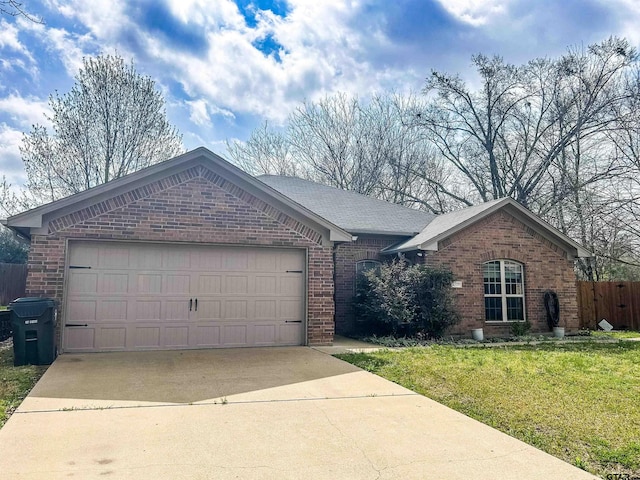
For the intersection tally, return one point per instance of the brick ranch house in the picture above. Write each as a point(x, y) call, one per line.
point(195, 253)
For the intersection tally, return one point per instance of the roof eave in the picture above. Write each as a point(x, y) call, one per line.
point(35, 218)
point(387, 233)
point(573, 248)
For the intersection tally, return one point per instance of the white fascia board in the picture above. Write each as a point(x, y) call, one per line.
point(429, 246)
point(340, 236)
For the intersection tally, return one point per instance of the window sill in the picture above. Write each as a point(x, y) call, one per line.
point(499, 322)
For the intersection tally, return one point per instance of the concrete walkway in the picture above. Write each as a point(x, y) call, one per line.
point(276, 413)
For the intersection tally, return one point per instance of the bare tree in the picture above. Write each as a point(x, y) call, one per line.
point(506, 136)
point(267, 151)
point(349, 143)
point(111, 123)
point(17, 9)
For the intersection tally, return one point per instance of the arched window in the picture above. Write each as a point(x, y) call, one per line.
point(363, 266)
point(503, 291)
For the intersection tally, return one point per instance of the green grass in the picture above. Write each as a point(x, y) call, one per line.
point(579, 402)
point(15, 383)
point(619, 334)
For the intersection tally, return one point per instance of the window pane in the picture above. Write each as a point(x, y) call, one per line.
point(362, 267)
point(365, 265)
point(492, 284)
point(493, 308)
point(513, 278)
point(515, 308)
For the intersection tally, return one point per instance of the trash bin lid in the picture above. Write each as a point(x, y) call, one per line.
point(32, 299)
point(31, 306)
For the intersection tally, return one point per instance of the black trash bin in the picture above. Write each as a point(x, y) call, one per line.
point(34, 329)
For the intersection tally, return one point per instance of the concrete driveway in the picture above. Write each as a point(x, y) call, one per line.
point(276, 413)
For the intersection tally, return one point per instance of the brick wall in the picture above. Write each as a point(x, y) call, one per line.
point(501, 236)
point(367, 247)
point(195, 206)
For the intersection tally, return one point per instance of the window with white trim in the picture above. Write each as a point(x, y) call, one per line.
point(503, 291)
point(363, 266)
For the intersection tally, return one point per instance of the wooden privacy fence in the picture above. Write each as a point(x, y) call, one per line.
point(13, 281)
point(617, 302)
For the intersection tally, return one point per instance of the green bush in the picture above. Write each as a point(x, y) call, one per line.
point(402, 300)
point(520, 329)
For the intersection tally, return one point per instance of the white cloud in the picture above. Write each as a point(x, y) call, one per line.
point(630, 10)
point(104, 18)
point(24, 112)
point(10, 160)
point(9, 39)
point(321, 53)
point(474, 12)
point(10, 42)
point(199, 114)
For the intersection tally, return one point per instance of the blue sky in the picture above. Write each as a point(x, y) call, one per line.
point(225, 67)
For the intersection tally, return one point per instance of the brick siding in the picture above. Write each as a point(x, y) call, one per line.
point(192, 206)
point(366, 247)
point(497, 237)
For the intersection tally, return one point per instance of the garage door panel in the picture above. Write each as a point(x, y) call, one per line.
point(176, 336)
point(209, 284)
point(177, 284)
point(114, 283)
point(113, 257)
point(291, 286)
point(266, 262)
point(289, 334)
point(235, 310)
point(207, 259)
point(290, 261)
point(209, 310)
point(235, 335)
point(236, 260)
point(113, 338)
point(265, 309)
point(291, 310)
point(113, 310)
point(84, 257)
point(83, 282)
point(80, 311)
point(245, 297)
point(81, 339)
point(265, 335)
point(147, 337)
point(206, 336)
point(149, 258)
point(149, 283)
point(177, 259)
point(266, 285)
point(147, 310)
point(236, 285)
point(176, 310)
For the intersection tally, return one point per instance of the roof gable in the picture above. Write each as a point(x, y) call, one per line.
point(354, 212)
point(448, 224)
point(37, 219)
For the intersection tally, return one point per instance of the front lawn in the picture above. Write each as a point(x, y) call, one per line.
point(15, 382)
point(619, 334)
point(577, 401)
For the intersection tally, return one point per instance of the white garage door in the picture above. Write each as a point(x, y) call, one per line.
point(137, 296)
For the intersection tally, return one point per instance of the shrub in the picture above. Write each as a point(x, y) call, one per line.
point(520, 329)
point(399, 299)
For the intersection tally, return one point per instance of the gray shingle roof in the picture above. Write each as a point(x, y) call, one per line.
point(350, 211)
point(445, 223)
